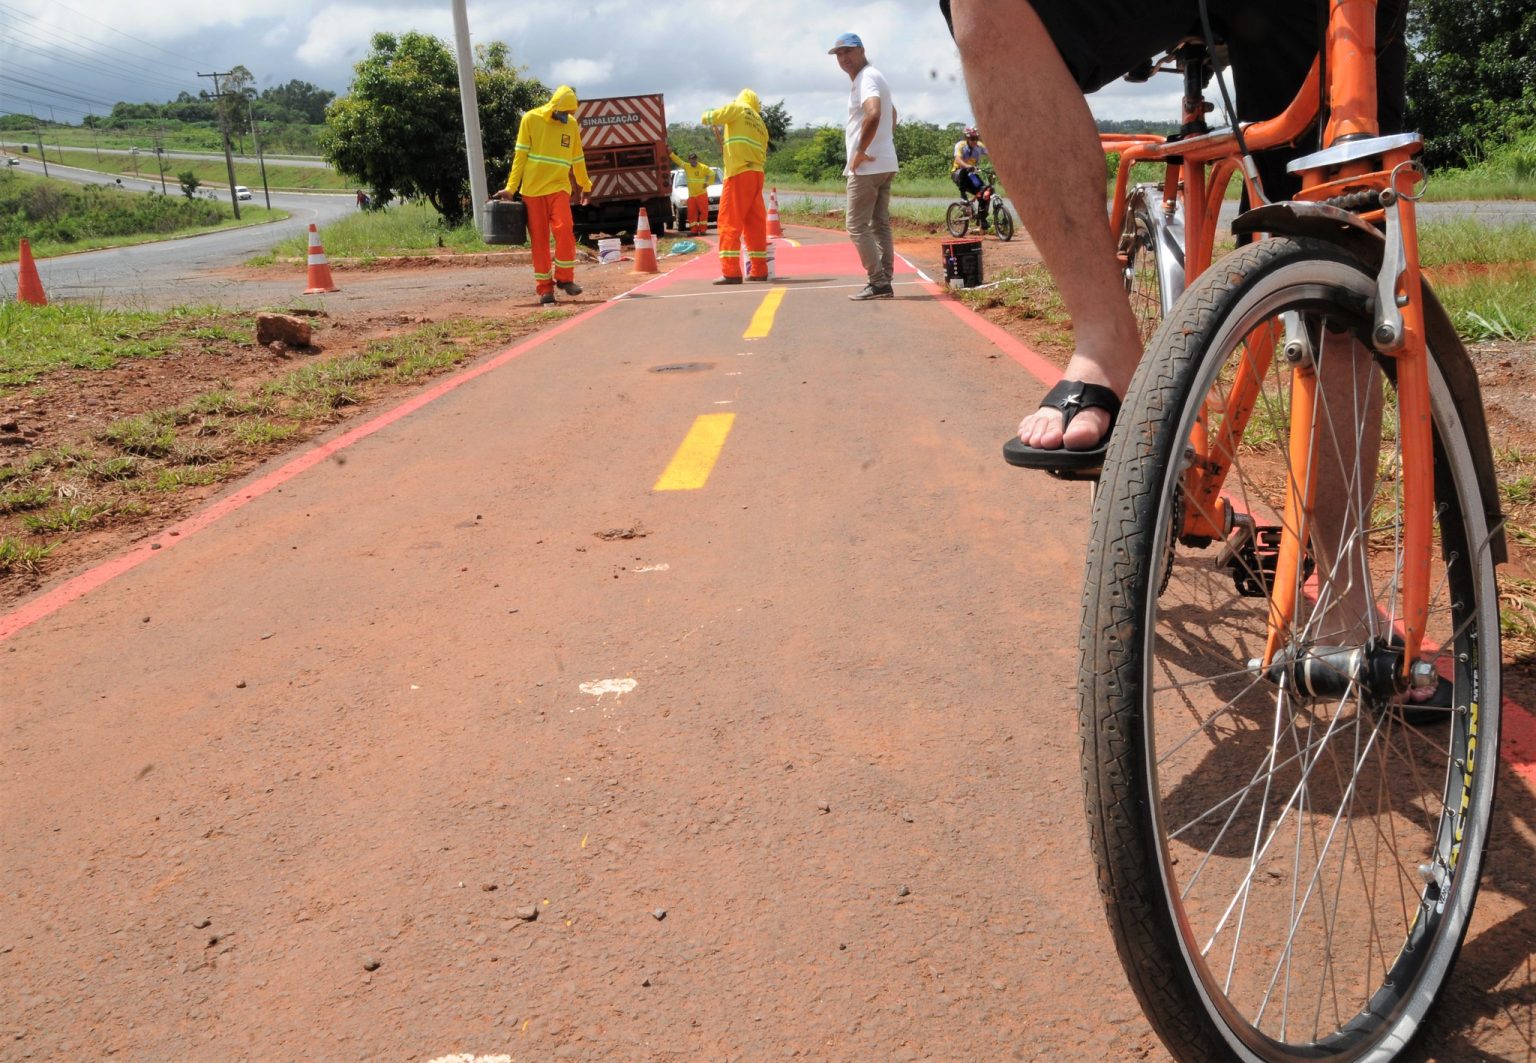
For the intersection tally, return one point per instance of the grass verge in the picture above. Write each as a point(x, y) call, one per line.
point(130, 464)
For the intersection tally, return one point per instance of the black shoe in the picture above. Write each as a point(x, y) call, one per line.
point(1071, 397)
point(758, 280)
point(569, 287)
point(870, 291)
point(728, 280)
point(547, 299)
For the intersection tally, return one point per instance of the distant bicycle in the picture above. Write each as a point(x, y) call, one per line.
point(961, 215)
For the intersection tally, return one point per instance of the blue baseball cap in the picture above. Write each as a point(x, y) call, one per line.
point(847, 40)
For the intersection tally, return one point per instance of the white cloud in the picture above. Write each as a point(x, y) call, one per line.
point(580, 72)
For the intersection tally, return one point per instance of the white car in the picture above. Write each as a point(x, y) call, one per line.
point(241, 192)
point(680, 199)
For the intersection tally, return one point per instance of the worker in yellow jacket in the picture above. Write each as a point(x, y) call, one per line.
point(742, 214)
point(546, 158)
point(699, 176)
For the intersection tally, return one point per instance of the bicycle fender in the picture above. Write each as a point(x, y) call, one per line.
point(1321, 221)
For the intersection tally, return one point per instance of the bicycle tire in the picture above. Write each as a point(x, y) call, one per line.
point(1259, 851)
point(957, 219)
point(1151, 250)
point(1002, 222)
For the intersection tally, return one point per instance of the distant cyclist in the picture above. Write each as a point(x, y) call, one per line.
point(962, 168)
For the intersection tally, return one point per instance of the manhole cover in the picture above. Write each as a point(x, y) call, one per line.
point(683, 367)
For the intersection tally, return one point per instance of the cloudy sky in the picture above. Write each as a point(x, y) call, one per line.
point(69, 59)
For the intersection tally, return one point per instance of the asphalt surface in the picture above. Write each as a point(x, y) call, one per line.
point(691, 682)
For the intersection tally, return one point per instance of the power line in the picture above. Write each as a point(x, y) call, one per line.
point(61, 7)
point(64, 52)
point(54, 91)
point(94, 67)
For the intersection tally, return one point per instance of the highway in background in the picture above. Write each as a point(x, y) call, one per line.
point(123, 274)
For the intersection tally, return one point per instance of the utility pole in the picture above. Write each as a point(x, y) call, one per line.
point(160, 156)
point(250, 111)
point(470, 102)
point(41, 150)
point(229, 162)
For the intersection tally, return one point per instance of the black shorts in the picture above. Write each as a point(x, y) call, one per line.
point(1272, 44)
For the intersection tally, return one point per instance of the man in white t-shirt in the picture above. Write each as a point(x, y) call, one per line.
point(871, 165)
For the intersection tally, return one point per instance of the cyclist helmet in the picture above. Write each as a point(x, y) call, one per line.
point(971, 131)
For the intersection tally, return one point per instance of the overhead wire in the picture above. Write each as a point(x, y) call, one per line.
point(24, 32)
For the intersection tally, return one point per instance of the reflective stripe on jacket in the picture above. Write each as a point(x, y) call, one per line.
point(548, 152)
point(700, 176)
point(746, 137)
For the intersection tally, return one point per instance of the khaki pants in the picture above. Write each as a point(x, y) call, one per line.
point(869, 224)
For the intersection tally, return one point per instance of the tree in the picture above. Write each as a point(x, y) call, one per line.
point(298, 101)
point(777, 119)
point(235, 91)
point(1470, 84)
point(189, 183)
point(824, 155)
point(400, 128)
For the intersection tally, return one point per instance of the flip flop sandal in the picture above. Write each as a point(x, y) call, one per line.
point(1070, 397)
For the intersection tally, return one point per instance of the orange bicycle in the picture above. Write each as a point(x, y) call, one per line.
point(1289, 659)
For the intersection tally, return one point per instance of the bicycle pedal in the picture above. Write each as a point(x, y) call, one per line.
point(1253, 561)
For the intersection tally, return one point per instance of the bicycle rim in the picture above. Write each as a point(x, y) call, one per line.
point(1288, 875)
point(957, 219)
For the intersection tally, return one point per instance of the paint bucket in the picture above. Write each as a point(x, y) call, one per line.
point(506, 222)
point(608, 249)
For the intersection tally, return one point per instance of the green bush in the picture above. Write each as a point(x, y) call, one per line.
point(51, 211)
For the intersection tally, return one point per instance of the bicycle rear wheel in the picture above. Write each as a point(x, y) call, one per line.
point(1151, 252)
point(957, 219)
point(1288, 857)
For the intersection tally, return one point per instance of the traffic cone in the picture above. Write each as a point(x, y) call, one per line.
point(645, 246)
point(319, 269)
point(29, 286)
point(774, 228)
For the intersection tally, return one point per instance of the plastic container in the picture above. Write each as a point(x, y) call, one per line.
point(609, 249)
point(506, 222)
point(962, 263)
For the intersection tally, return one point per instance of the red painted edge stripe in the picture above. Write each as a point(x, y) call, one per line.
point(52, 601)
point(1517, 734)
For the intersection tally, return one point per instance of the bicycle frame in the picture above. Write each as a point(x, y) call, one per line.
point(1355, 159)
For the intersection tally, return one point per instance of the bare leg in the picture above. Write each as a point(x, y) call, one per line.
point(1348, 444)
point(1043, 141)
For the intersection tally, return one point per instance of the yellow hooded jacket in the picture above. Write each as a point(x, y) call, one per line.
point(699, 175)
point(746, 137)
point(548, 152)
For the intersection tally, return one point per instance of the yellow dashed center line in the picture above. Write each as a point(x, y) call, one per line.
point(762, 321)
point(696, 456)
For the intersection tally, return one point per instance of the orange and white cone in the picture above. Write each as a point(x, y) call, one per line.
point(645, 246)
point(29, 286)
point(774, 228)
point(319, 270)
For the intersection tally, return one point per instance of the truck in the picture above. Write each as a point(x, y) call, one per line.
point(624, 140)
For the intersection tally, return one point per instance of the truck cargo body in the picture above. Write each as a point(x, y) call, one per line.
point(624, 140)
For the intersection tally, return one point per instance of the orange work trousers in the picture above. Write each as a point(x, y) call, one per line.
point(698, 214)
point(551, 216)
point(743, 218)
